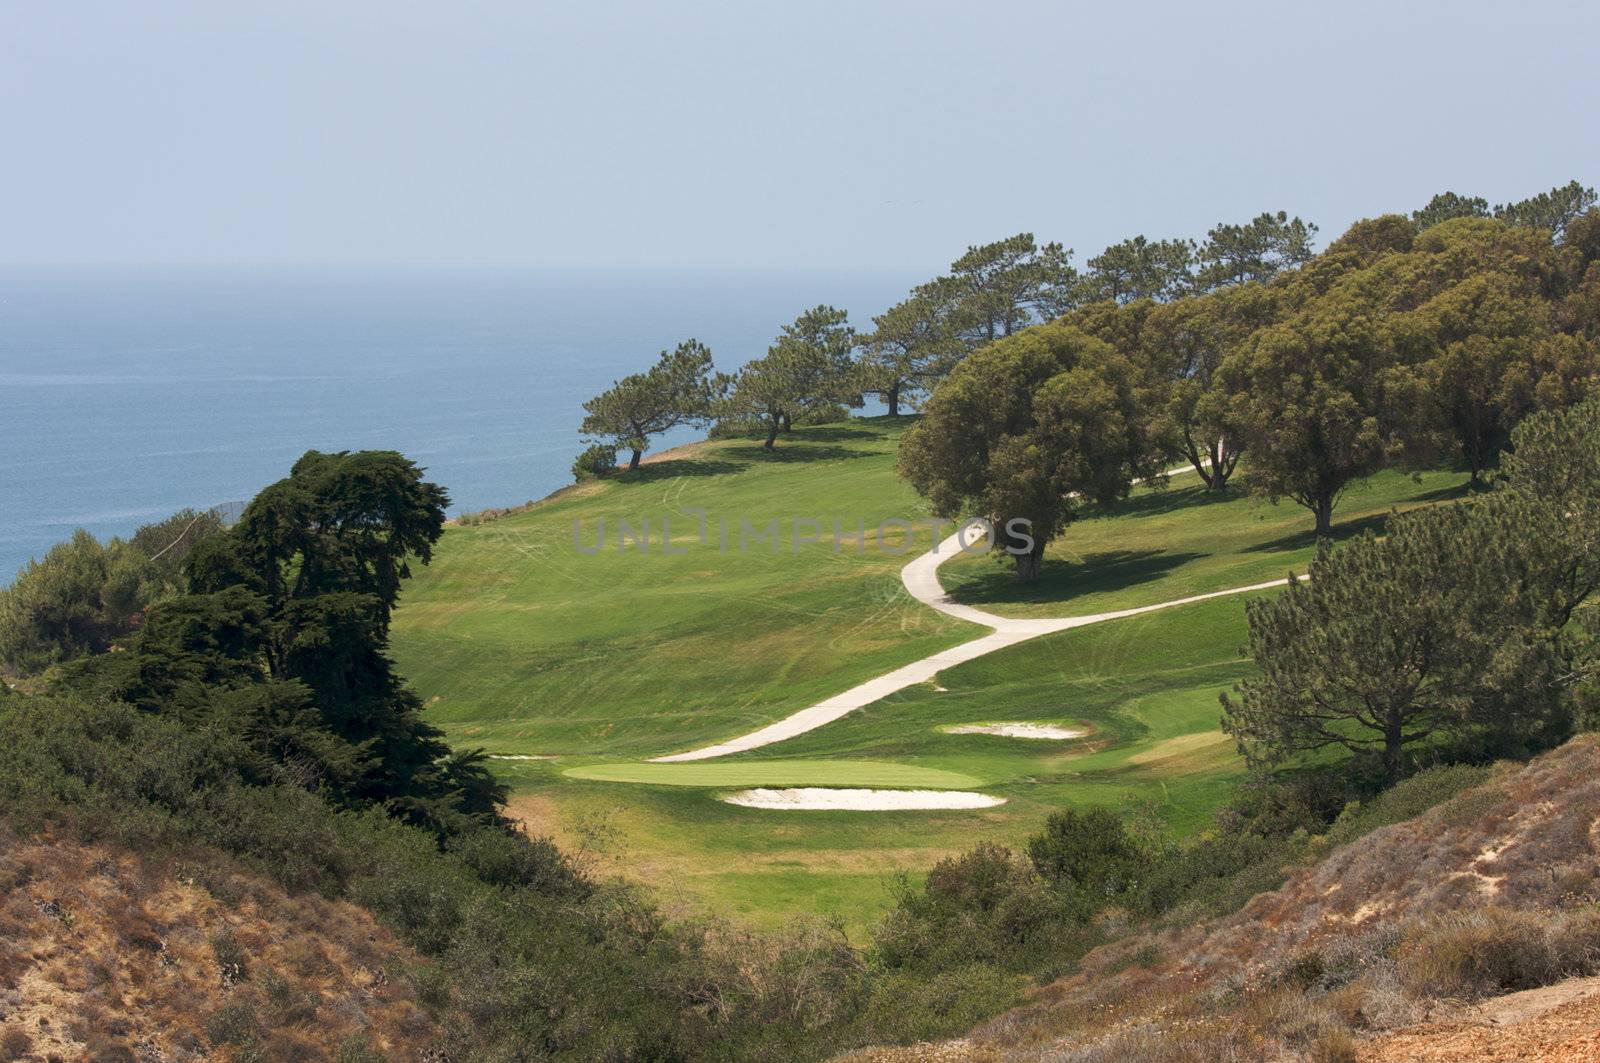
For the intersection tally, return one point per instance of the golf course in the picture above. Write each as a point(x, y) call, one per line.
point(526, 639)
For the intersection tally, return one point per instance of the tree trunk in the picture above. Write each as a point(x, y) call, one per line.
point(633, 462)
point(1393, 749)
point(772, 433)
point(785, 422)
point(894, 399)
point(1221, 468)
point(1028, 564)
point(1324, 514)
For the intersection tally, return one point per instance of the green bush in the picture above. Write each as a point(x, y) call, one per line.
point(77, 600)
point(234, 1023)
point(907, 1007)
point(985, 906)
point(1406, 800)
point(595, 462)
point(84, 595)
point(1091, 858)
point(530, 959)
point(358, 1049)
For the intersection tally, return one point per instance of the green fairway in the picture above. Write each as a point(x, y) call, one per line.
point(1146, 687)
point(1178, 541)
point(523, 644)
point(778, 773)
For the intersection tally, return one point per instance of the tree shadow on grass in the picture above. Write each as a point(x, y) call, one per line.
point(832, 433)
point(1308, 538)
point(1466, 489)
point(1166, 500)
point(1350, 528)
point(673, 467)
point(784, 452)
point(1061, 581)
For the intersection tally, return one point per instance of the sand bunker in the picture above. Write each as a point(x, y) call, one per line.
point(822, 798)
point(1019, 729)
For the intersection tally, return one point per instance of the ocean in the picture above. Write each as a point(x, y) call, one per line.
point(127, 394)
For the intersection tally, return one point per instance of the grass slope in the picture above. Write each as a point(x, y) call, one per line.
point(1182, 540)
point(525, 645)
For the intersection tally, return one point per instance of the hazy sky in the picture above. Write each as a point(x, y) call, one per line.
point(748, 133)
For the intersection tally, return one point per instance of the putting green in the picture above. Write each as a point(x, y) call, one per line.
point(779, 773)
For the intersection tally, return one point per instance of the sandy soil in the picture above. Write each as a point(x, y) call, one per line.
point(1556, 1024)
point(1019, 729)
point(822, 798)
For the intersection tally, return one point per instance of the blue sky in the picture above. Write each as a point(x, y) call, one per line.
point(752, 134)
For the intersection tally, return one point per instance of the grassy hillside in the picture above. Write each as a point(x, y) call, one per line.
point(525, 645)
point(1184, 540)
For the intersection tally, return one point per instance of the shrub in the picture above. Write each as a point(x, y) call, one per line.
point(84, 595)
point(14, 1044)
point(1090, 857)
point(499, 858)
point(1496, 950)
point(232, 962)
point(597, 461)
point(907, 1007)
point(984, 906)
point(1332, 1045)
point(358, 1049)
point(75, 601)
point(1406, 800)
point(234, 1023)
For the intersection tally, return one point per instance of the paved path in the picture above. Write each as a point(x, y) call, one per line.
point(921, 579)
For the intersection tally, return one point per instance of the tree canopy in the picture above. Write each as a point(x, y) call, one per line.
point(678, 390)
point(1139, 269)
point(1553, 210)
point(1257, 250)
point(1456, 628)
point(1447, 205)
point(1011, 283)
point(1031, 427)
point(913, 344)
point(808, 367)
point(284, 633)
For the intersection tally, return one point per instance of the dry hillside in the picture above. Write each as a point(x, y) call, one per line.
point(111, 957)
point(1384, 950)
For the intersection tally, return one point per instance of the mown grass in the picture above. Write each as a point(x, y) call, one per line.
point(777, 773)
point(522, 643)
point(1138, 686)
point(1181, 540)
point(525, 645)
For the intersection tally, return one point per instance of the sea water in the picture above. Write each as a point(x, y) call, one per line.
point(129, 393)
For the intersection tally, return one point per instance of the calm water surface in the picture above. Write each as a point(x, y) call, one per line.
point(127, 394)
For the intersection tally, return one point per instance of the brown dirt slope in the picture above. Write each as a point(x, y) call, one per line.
point(1556, 1024)
point(1496, 889)
point(112, 957)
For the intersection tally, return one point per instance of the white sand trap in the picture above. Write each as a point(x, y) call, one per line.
point(522, 756)
point(1019, 729)
point(824, 798)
